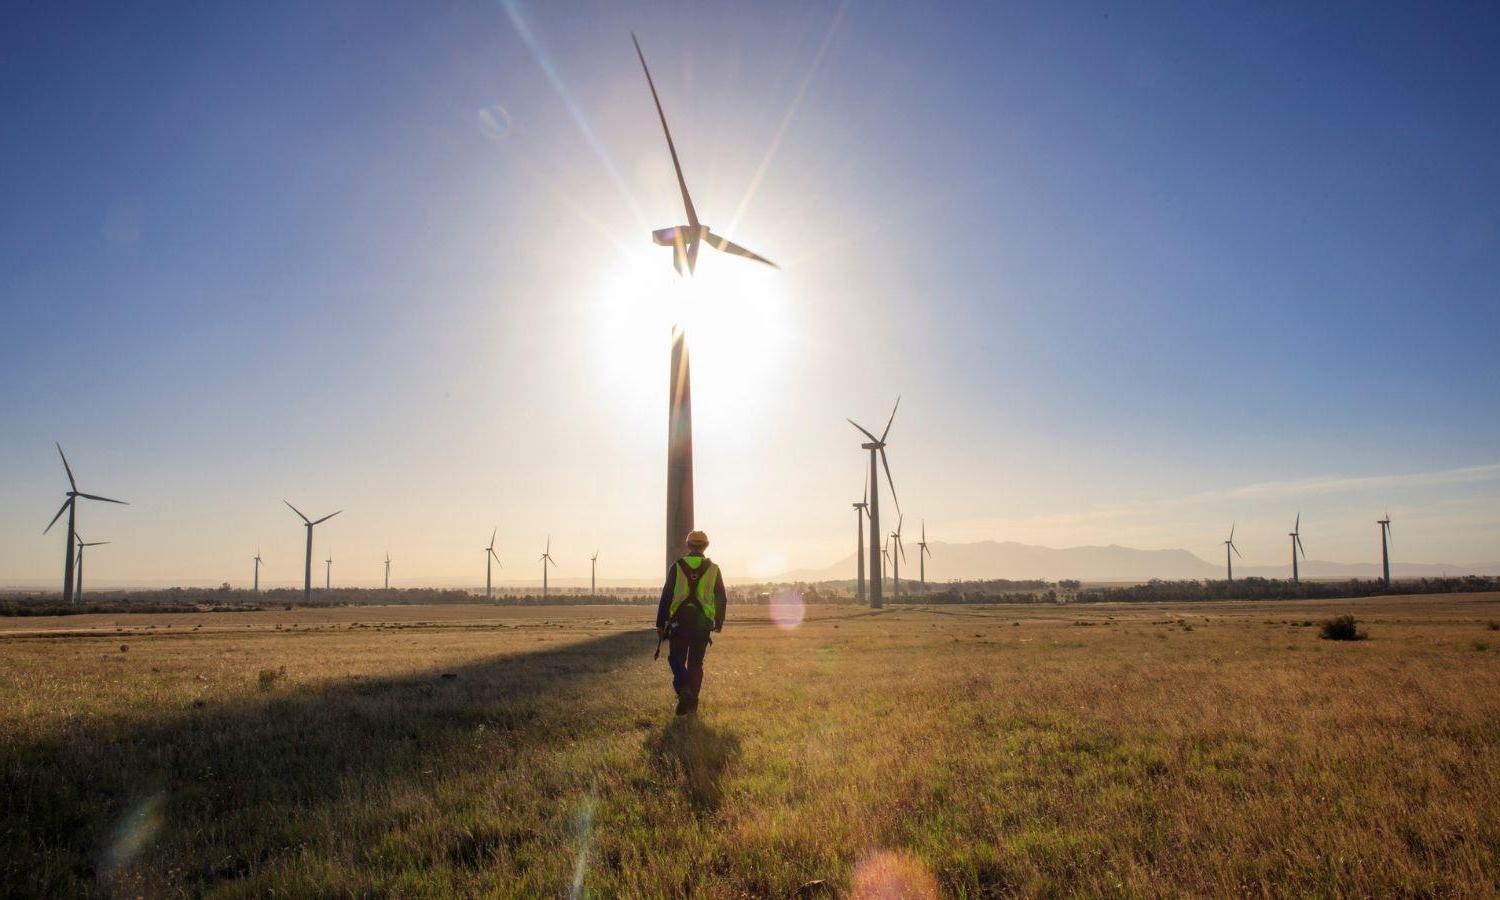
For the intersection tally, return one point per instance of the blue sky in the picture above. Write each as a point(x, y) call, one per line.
point(1136, 272)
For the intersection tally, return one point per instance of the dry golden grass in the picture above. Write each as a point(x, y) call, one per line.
point(1207, 749)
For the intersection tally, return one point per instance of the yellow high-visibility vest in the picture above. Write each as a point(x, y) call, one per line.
point(707, 597)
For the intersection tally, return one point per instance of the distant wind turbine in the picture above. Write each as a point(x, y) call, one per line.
point(859, 542)
point(256, 583)
point(593, 571)
point(307, 560)
point(1296, 537)
point(898, 553)
point(876, 446)
point(922, 554)
point(546, 560)
point(78, 591)
point(387, 570)
point(490, 556)
point(70, 506)
point(1228, 546)
point(1385, 546)
point(328, 573)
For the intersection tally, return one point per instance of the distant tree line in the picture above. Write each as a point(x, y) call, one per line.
point(1277, 589)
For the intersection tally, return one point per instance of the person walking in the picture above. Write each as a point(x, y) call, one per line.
point(692, 607)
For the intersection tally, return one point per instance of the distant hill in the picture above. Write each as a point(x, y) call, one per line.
point(1009, 559)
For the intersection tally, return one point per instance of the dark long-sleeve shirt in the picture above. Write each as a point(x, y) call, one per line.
point(721, 600)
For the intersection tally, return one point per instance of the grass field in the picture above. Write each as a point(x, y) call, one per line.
point(1201, 749)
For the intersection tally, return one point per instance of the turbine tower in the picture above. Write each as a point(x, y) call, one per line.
point(387, 570)
point(593, 571)
point(490, 554)
point(70, 506)
point(1228, 546)
point(256, 582)
point(1296, 536)
point(307, 560)
point(546, 561)
point(78, 591)
point(922, 554)
point(898, 553)
point(328, 573)
point(876, 446)
point(1385, 547)
point(684, 241)
point(859, 543)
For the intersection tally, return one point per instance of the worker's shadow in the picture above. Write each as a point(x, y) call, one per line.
point(698, 754)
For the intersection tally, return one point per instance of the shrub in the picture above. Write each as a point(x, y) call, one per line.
point(268, 678)
point(1341, 628)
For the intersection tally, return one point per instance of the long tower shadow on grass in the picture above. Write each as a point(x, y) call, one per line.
point(222, 789)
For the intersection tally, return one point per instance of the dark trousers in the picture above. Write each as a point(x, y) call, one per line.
point(686, 658)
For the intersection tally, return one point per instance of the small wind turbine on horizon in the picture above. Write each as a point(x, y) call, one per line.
point(489, 555)
point(859, 542)
point(256, 581)
point(876, 446)
point(1385, 546)
point(922, 554)
point(328, 573)
point(593, 571)
point(1228, 546)
point(307, 560)
point(1296, 536)
point(898, 553)
point(70, 505)
point(78, 591)
point(387, 570)
point(546, 560)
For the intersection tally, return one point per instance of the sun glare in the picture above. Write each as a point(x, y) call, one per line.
point(735, 315)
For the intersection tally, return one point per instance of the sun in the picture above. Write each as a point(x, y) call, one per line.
point(735, 315)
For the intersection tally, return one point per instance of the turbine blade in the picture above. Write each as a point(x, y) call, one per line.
point(873, 440)
point(105, 499)
point(67, 468)
point(1298, 527)
point(687, 201)
point(1231, 531)
point(728, 246)
point(492, 536)
point(1301, 547)
point(885, 462)
point(1237, 551)
point(60, 510)
point(325, 518)
point(891, 419)
point(296, 510)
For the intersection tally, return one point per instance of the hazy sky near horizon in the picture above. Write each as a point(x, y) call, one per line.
point(1136, 271)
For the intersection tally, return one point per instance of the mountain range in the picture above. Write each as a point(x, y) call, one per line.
point(1008, 559)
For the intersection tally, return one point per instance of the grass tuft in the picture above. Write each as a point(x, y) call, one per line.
point(1342, 628)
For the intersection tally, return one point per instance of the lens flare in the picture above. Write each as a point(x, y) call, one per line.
point(893, 874)
point(494, 121)
point(134, 832)
point(787, 608)
point(585, 838)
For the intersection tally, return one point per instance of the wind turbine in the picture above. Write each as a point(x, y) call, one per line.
point(684, 241)
point(897, 554)
point(70, 506)
point(877, 446)
point(859, 542)
point(922, 554)
point(546, 559)
point(1228, 546)
point(78, 591)
point(307, 561)
point(490, 554)
point(387, 570)
point(256, 588)
point(1385, 546)
point(593, 570)
point(1296, 537)
point(328, 573)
